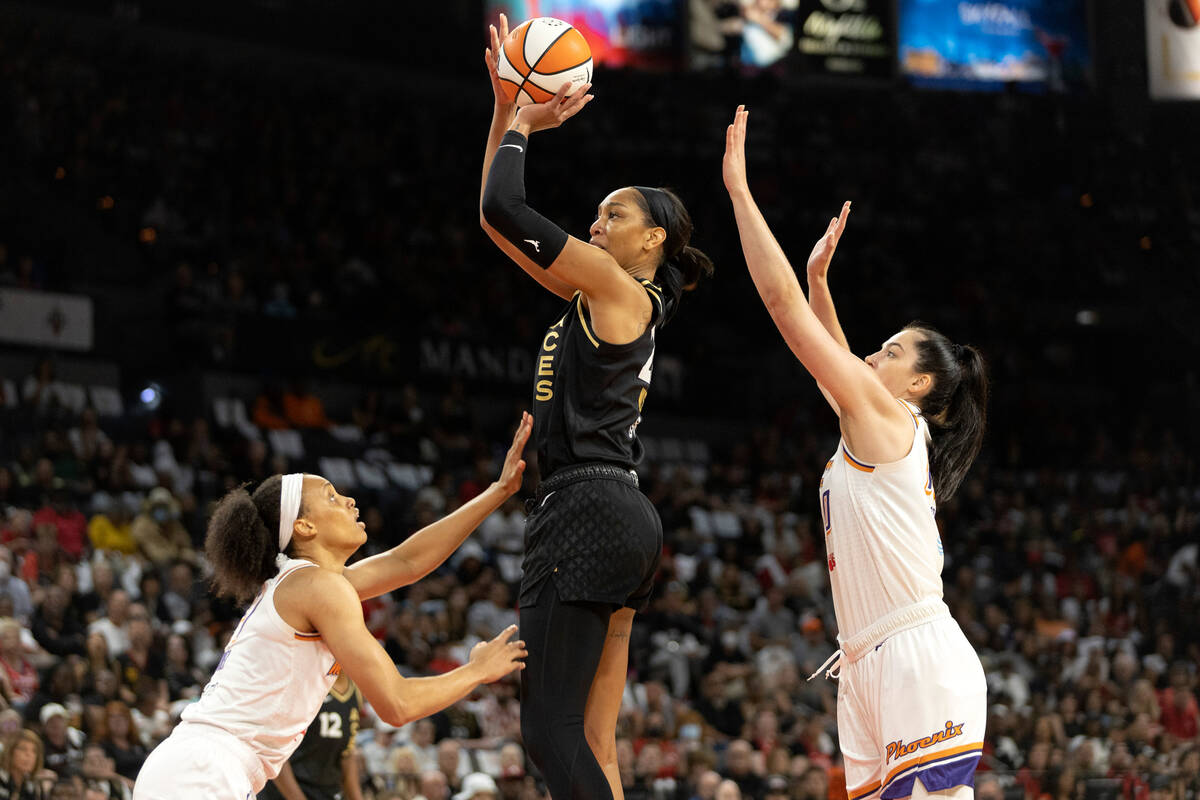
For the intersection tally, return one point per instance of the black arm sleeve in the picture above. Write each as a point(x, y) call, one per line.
point(505, 209)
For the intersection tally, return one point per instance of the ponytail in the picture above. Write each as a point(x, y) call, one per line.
point(955, 408)
point(683, 265)
point(242, 541)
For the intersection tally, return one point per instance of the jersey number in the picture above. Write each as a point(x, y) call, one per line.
point(825, 510)
point(331, 725)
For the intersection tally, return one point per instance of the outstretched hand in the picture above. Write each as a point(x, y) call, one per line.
point(822, 252)
point(556, 110)
point(513, 470)
point(498, 657)
point(491, 57)
point(733, 166)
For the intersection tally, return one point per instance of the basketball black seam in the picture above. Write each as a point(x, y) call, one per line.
point(566, 69)
point(533, 66)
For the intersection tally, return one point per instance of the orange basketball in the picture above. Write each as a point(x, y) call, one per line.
point(539, 56)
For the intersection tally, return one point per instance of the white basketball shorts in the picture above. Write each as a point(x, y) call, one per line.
point(193, 764)
point(912, 708)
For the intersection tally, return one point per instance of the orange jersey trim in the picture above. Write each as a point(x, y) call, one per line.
point(863, 791)
point(308, 637)
point(858, 465)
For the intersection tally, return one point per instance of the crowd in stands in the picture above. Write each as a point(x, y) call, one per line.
point(1076, 587)
point(230, 196)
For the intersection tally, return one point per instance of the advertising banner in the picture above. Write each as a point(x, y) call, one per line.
point(1173, 48)
point(1040, 44)
point(46, 319)
point(846, 37)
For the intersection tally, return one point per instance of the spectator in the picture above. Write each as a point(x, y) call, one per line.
point(14, 588)
point(268, 408)
point(93, 601)
point(814, 785)
point(22, 775)
point(160, 535)
point(114, 626)
point(184, 679)
point(454, 762)
point(478, 786)
point(401, 770)
point(741, 767)
point(140, 659)
point(303, 409)
point(56, 624)
point(110, 527)
point(63, 743)
point(100, 775)
point(433, 785)
point(488, 617)
point(121, 740)
point(178, 600)
point(68, 522)
point(1180, 713)
point(19, 674)
point(728, 790)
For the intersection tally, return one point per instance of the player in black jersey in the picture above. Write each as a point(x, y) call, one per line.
point(592, 539)
point(325, 765)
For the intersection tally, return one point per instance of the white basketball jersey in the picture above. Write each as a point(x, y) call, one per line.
point(882, 542)
point(270, 682)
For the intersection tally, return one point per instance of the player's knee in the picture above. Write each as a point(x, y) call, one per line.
point(543, 736)
point(602, 741)
point(535, 735)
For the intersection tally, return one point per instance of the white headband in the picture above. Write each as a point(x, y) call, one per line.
point(289, 506)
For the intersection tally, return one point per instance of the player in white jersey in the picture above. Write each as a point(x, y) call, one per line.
point(912, 699)
point(286, 546)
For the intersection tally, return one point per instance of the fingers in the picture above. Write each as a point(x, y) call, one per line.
point(522, 434)
point(506, 634)
point(577, 97)
point(841, 219)
point(504, 25)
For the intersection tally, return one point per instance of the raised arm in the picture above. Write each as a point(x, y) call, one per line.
point(862, 401)
point(819, 298)
point(619, 306)
point(328, 603)
point(425, 550)
point(502, 116)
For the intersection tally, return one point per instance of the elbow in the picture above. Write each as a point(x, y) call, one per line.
point(395, 713)
point(491, 208)
point(779, 300)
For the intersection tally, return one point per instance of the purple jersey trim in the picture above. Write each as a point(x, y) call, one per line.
point(935, 777)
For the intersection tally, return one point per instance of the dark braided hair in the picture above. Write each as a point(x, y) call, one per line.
point(955, 407)
point(243, 539)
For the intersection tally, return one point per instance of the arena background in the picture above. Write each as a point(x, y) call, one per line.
point(240, 238)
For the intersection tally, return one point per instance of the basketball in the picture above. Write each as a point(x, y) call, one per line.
point(539, 56)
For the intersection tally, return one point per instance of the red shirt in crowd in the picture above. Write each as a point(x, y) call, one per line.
point(72, 529)
point(1182, 722)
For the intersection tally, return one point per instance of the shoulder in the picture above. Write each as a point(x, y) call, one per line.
point(312, 593)
point(657, 298)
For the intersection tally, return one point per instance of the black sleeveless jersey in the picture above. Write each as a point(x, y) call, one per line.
point(588, 394)
point(317, 761)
